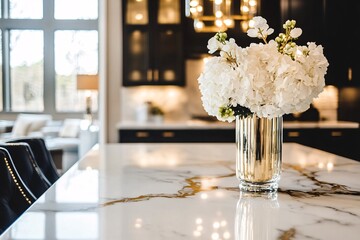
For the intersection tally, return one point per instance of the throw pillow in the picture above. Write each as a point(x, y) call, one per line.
point(70, 128)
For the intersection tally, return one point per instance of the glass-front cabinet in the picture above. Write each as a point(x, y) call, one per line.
point(153, 43)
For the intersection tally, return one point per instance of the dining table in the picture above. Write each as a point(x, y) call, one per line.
point(174, 191)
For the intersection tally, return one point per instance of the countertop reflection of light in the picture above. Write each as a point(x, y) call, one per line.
point(163, 157)
point(329, 166)
point(138, 223)
point(204, 196)
point(216, 225)
point(321, 165)
point(215, 236)
point(208, 183)
point(198, 221)
point(219, 193)
point(197, 234)
point(226, 235)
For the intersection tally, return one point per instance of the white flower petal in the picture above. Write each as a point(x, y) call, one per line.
point(252, 33)
point(295, 33)
point(213, 45)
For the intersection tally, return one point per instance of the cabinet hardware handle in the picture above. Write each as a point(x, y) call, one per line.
point(149, 75)
point(293, 134)
point(168, 134)
point(336, 134)
point(156, 74)
point(350, 73)
point(142, 134)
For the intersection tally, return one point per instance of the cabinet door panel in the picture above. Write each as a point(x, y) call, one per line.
point(136, 57)
point(169, 57)
point(152, 47)
point(169, 12)
point(137, 12)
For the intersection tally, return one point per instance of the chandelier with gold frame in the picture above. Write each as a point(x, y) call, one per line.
point(219, 15)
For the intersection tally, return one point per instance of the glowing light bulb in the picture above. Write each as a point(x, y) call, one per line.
point(199, 24)
point(218, 2)
point(245, 9)
point(229, 22)
point(194, 3)
point(139, 16)
point(219, 14)
point(193, 10)
point(218, 23)
point(251, 23)
point(252, 3)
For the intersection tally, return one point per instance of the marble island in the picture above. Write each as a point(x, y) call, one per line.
point(189, 191)
point(200, 124)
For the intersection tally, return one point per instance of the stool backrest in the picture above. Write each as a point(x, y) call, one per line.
point(15, 197)
point(42, 156)
point(27, 167)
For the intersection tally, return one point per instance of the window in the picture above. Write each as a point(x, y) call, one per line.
point(44, 44)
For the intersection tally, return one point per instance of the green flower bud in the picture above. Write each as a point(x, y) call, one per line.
point(221, 36)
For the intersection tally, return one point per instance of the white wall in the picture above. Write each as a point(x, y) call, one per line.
point(110, 68)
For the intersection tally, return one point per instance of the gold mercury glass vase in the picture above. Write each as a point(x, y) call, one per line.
point(259, 153)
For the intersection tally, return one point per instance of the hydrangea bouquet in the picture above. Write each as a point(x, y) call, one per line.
point(267, 79)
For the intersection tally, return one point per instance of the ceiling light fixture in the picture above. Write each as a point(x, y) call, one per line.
point(219, 15)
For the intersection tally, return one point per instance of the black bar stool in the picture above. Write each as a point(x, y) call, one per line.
point(15, 197)
point(27, 167)
point(42, 156)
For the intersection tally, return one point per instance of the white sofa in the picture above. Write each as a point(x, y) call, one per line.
point(62, 135)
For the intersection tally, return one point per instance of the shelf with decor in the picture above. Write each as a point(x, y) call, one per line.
point(153, 43)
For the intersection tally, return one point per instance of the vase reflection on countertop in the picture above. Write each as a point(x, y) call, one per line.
point(256, 216)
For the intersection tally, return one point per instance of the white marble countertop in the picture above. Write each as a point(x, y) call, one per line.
point(189, 191)
point(198, 124)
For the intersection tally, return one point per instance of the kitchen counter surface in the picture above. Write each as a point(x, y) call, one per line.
point(189, 191)
point(199, 124)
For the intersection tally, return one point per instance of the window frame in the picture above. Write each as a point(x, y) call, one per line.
point(48, 24)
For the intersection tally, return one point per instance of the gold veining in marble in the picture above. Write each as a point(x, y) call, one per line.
point(322, 187)
point(288, 234)
point(193, 187)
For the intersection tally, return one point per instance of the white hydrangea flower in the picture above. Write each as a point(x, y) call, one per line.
point(214, 45)
point(261, 28)
point(296, 32)
point(261, 78)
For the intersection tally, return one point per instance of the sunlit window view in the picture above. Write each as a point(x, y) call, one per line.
point(42, 61)
point(77, 10)
point(76, 52)
point(26, 9)
point(27, 70)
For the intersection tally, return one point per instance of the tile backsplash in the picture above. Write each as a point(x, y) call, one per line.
point(178, 103)
point(181, 103)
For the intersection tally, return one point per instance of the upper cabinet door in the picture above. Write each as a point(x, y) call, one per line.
point(341, 44)
point(152, 43)
point(169, 12)
point(137, 12)
point(332, 24)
